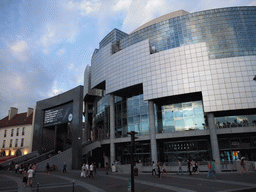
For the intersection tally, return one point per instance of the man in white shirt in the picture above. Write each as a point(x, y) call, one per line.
point(87, 169)
point(30, 176)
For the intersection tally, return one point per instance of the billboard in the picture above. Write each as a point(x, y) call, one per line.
point(58, 115)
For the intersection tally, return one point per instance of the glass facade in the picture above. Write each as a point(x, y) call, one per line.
point(235, 121)
point(181, 117)
point(227, 32)
point(183, 150)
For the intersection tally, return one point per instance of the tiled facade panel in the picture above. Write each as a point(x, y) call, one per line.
point(226, 84)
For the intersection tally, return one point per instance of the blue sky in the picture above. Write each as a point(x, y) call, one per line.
point(46, 45)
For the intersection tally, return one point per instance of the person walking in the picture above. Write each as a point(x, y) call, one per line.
point(87, 170)
point(164, 170)
point(159, 170)
point(189, 164)
point(64, 167)
point(25, 177)
point(153, 168)
point(47, 168)
point(83, 171)
point(30, 176)
point(196, 168)
point(180, 168)
point(107, 168)
point(209, 170)
point(34, 167)
point(91, 171)
point(213, 171)
point(243, 166)
point(16, 167)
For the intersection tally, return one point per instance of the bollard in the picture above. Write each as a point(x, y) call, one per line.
point(73, 186)
point(37, 188)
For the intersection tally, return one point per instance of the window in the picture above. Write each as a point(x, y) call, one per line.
point(3, 144)
point(23, 131)
point(16, 143)
point(5, 131)
point(10, 143)
point(12, 132)
point(17, 133)
point(22, 142)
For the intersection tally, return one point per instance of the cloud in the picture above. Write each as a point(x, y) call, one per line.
point(61, 52)
point(55, 90)
point(19, 50)
point(85, 7)
point(122, 5)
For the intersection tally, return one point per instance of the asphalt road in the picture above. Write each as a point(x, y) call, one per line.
point(118, 182)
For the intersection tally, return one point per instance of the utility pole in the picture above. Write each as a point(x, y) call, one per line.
point(132, 133)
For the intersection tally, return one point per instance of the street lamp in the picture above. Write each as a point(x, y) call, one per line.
point(132, 133)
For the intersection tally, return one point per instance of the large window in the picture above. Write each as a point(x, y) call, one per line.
point(12, 132)
point(235, 121)
point(182, 117)
point(16, 143)
point(10, 143)
point(183, 150)
point(3, 146)
point(5, 132)
point(23, 131)
point(17, 133)
point(22, 142)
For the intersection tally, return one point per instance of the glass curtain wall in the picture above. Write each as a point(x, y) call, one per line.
point(131, 115)
point(181, 117)
point(236, 121)
point(223, 30)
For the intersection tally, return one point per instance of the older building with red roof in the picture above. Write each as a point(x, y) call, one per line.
point(16, 133)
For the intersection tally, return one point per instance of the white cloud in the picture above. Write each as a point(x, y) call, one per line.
point(71, 66)
point(19, 46)
point(61, 52)
point(122, 5)
point(85, 7)
point(140, 12)
point(55, 90)
point(19, 50)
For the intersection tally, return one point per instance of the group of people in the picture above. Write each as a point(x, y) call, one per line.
point(28, 174)
point(88, 170)
point(159, 169)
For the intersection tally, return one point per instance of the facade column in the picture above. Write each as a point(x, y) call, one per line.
point(214, 141)
point(152, 129)
point(112, 129)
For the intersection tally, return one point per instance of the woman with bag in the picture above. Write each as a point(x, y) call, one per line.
point(25, 179)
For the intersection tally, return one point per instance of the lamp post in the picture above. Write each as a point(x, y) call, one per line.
point(132, 133)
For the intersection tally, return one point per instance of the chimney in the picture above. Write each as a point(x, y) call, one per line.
point(12, 112)
point(29, 112)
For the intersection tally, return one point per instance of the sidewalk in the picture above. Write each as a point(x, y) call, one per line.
point(58, 181)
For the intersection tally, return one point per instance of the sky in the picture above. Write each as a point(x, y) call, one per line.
point(45, 46)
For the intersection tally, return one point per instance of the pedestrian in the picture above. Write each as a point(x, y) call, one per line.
point(193, 166)
point(153, 168)
point(196, 168)
point(25, 178)
point(213, 171)
point(209, 170)
point(159, 170)
point(180, 168)
point(189, 164)
point(87, 170)
point(34, 167)
point(16, 167)
point(164, 170)
point(47, 168)
point(91, 171)
point(243, 166)
point(94, 168)
point(107, 168)
point(30, 176)
point(64, 167)
point(83, 171)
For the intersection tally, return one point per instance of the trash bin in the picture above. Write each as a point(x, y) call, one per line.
point(135, 171)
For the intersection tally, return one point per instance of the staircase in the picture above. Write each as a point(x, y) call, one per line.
point(90, 146)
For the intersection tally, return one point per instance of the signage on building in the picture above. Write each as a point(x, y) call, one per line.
point(58, 115)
